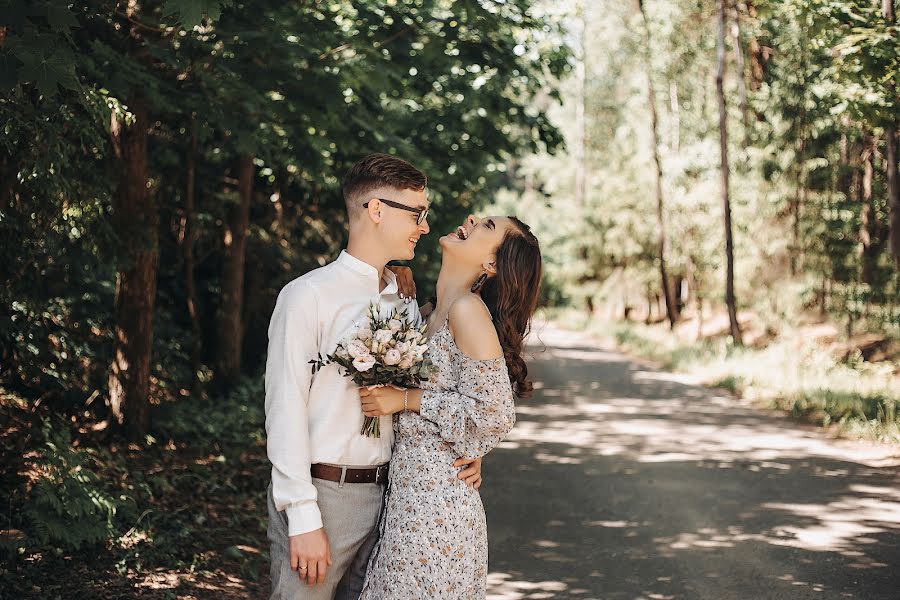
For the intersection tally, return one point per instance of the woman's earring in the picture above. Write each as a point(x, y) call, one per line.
point(479, 282)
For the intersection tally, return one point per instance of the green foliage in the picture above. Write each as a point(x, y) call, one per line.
point(234, 420)
point(793, 374)
point(305, 88)
point(820, 86)
point(68, 505)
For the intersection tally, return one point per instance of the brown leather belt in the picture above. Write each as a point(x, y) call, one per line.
point(345, 475)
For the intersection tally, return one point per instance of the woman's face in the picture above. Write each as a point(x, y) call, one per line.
point(475, 242)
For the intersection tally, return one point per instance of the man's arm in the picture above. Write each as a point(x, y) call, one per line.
point(293, 342)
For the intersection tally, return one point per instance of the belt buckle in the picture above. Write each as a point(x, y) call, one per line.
point(379, 470)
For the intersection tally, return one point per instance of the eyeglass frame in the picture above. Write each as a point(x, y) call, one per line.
point(422, 212)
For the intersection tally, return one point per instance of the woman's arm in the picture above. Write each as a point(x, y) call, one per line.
point(479, 413)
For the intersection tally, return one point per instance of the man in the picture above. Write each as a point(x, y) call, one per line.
point(328, 479)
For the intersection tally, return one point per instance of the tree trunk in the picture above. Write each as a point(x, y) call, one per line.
point(846, 169)
point(675, 107)
point(137, 222)
point(893, 174)
point(187, 250)
point(580, 79)
point(869, 226)
point(741, 70)
point(230, 323)
point(580, 153)
point(662, 241)
point(726, 202)
point(758, 56)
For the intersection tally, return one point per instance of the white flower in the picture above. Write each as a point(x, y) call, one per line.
point(342, 353)
point(382, 336)
point(394, 325)
point(364, 363)
point(392, 357)
point(356, 349)
point(364, 333)
point(420, 351)
point(402, 347)
point(406, 363)
point(412, 334)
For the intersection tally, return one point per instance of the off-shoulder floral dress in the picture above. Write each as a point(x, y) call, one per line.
point(433, 533)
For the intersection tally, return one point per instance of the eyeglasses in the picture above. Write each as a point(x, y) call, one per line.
point(422, 212)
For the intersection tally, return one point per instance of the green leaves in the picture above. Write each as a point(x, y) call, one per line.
point(37, 48)
point(47, 71)
point(191, 13)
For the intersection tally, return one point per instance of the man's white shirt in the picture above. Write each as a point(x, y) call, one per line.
point(318, 419)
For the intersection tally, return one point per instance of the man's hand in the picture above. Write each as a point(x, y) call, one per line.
point(406, 285)
point(311, 556)
point(472, 474)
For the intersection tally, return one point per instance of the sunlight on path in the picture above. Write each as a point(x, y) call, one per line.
point(635, 483)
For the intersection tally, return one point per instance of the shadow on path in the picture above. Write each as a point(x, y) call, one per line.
point(620, 482)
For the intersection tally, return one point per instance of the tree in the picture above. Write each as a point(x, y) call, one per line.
point(662, 239)
point(892, 157)
point(136, 219)
point(725, 170)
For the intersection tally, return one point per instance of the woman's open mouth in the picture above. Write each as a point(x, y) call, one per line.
point(461, 233)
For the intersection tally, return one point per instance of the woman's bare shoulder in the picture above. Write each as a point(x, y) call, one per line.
point(473, 330)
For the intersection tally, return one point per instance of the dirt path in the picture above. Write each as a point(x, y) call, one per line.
point(624, 482)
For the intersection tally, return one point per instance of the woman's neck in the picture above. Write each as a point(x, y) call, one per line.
point(452, 284)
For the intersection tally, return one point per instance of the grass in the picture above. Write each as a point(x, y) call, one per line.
point(792, 373)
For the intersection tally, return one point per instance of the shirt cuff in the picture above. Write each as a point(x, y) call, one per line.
point(303, 518)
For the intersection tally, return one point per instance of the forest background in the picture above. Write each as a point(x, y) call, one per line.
point(714, 183)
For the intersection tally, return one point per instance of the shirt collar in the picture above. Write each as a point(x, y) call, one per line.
point(364, 268)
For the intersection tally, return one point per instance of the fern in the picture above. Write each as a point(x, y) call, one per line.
point(68, 506)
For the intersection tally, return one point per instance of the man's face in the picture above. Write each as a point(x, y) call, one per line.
point(398, 227)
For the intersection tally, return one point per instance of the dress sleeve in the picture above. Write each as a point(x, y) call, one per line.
point(479, 413)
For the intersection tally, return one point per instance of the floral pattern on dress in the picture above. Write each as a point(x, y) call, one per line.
point(433, 532)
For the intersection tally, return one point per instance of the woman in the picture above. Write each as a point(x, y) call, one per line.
point(433, 533)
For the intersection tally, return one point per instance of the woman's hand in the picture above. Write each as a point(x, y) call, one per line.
point(381, 400)
point(406, 285)
point(472, 473)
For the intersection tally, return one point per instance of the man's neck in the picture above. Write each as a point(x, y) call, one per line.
point(369, 255)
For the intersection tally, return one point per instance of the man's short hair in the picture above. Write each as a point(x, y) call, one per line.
point(375, 171)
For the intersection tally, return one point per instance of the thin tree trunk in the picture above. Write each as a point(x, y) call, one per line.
point(726, 202)
point(675, 107)
point(741, 69)
point(662, 241)
point(187, 249)
point(580, 153)
point(137, 222)
point(230, 322)
point(868, 229)
point(580, 79)
point(846, 170)
point(758, 56)
point(893, 174)
point(893, 185)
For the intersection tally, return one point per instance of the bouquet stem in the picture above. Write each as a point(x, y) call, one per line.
point(371, 427)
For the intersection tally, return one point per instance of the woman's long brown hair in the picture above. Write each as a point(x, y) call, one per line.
point(512, 295)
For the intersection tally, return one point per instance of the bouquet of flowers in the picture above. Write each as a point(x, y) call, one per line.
point(381, 351)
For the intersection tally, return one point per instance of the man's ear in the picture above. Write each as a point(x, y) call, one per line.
point(490, 268)
point(374, 209)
